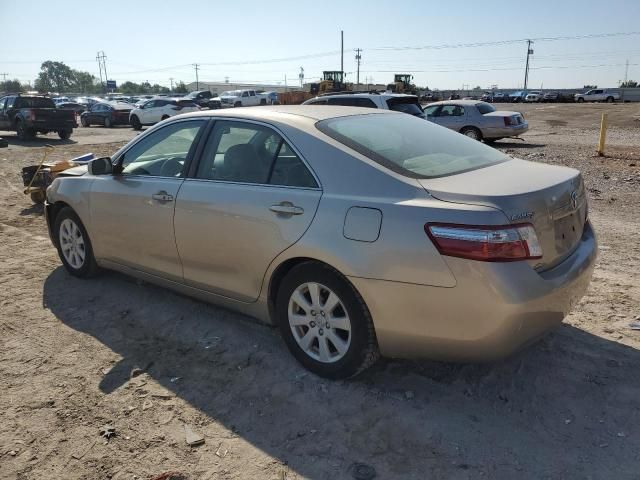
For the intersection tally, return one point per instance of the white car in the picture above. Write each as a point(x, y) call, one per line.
point(534, 96)
point(399, 102)
point(242, 98)
point(158, 109)
point(597, 95)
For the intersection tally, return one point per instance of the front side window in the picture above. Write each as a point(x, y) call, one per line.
point(431, 110)
point(249, 153)
point(410, 146)
point(164, 152)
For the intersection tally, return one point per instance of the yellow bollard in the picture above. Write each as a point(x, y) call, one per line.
point(603, 135)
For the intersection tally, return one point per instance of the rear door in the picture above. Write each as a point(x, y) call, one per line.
point(4, 117)
point(132, 213)
point(450, 116)
point(250, 197)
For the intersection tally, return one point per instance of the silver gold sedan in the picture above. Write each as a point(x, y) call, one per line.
point(357, 232)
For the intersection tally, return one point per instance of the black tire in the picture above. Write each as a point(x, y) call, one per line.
point(580, 100)
point(135, 123)
point(107, 122)
point(89, 267)
point(263, 101)
point(84, 122)
point(164, 117)
point(362, 351)
point(24, 133)
point(38, 197)
point(237, 104)
point(472, 132)
point(610, 99)
point(65, 133)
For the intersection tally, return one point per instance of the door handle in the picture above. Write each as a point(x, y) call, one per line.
point(162, 196)
point(286, 208)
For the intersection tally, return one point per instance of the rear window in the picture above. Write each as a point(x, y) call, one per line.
point(405, 105)
point(186, 103)
point(353, 102)
point(409, 145)
point(34, 102)
point(485, 108)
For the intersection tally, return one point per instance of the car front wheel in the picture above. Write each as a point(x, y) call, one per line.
point(74, 246)
point(325, 322)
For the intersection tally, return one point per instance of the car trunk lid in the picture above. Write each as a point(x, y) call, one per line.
point(551, 198)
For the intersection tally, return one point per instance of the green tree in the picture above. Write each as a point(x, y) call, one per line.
point(84, 82)
point(180, 87)
point(130, 88)
point(54, 77)
point(11, 86)
point(629, 84)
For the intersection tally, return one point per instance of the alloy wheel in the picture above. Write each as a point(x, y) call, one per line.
point(72, 243)
point(319, 322)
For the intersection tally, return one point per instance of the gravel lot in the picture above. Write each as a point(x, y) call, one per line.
point(566, 407)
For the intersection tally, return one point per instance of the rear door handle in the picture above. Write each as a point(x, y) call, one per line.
point(287, 208)
point(162, 196)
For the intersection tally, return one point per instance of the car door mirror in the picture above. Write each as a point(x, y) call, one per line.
point(100, 166)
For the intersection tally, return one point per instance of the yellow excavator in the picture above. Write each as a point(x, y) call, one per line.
point(332, 81)
point(402, 84)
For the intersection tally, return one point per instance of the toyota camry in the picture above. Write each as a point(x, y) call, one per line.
point(357, 232)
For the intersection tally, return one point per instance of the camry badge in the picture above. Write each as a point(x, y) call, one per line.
point(521, 216)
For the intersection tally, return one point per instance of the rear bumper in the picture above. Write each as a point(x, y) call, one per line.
point(494, 310)
point(503, 132)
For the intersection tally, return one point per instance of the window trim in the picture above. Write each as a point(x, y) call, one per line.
point(191, 155)
point(197, 158)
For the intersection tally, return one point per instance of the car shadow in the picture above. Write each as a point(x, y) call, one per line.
point(547, 412)
point(39, 141)
point(518, 145)
point(37, 209)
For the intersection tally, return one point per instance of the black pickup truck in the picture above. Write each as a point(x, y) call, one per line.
point(31, 114)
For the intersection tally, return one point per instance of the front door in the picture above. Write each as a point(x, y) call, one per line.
point(132, 212)
point(250, 198)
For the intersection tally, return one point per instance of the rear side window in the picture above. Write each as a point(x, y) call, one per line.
point(185, 103)
point(409, 145)
point(34, 102)
point(317, 102)
point(250, 153)
point(353, 102)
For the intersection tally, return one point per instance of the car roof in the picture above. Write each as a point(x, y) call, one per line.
point(280, 113)
point(383, 95)
point(468, 103)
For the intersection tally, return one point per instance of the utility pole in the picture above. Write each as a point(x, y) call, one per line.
point(341, 50)
point(301, 76)
point(4, 75)
point(171, 80)
point(197, 66)
point(358, 58)
point(102, 66)
point(526, 68)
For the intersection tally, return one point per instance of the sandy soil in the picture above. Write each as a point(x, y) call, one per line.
point(567, 407)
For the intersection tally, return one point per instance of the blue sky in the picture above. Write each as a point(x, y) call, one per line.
point(154, 41)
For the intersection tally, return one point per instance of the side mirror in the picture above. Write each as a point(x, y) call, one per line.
point(100, 166)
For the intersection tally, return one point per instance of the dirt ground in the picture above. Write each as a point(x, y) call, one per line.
point(565, 408)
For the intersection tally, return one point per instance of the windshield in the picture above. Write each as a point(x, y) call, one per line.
point(406, 105)
point(410, 146)
point(485, 108)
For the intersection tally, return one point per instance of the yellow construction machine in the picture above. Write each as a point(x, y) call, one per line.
point(402, 84)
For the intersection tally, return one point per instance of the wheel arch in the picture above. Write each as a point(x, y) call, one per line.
point(479, 130)
point(281, 271)
point(52, 212)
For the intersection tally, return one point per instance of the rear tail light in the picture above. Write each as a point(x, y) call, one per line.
point(502, 243)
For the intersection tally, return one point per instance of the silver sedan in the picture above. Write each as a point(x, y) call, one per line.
point(357, 232)
point(477, 120)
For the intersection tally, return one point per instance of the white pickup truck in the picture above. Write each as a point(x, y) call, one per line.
point(597, 95)
point(242, 98)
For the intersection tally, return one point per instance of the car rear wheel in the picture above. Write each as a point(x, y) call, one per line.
point(237, 104)
point(107, 122)
point(609, 99)
point(325, 322)
point(472, 132)
point(580, 100)
point(135, 123)
point(65, 133)
point(84, 122)
point(74, 246)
